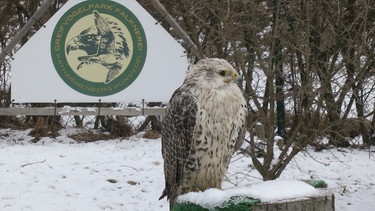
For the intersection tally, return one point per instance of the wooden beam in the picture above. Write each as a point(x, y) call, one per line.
point(26, 28)
point(190, 45)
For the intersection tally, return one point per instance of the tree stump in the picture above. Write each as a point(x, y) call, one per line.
point(326, 203)
point(309, 202)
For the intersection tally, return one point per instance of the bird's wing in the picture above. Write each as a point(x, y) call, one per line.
point(177, 137)
point(241, 138)
point(101, 24)
point(243, 128)
point(123, 48)
point(107, 40)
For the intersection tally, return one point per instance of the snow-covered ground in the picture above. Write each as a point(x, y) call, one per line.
point(61, 174)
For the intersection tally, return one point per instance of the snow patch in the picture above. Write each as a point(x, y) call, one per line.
point(67, 109)
point(74, 176)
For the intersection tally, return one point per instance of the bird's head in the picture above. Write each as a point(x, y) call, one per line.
point(88, 41)
point(212, 73)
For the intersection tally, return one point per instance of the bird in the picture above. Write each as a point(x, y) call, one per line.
point(204, 124)
point(104, 44)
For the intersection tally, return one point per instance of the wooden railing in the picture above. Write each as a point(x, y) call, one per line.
point(87, 111)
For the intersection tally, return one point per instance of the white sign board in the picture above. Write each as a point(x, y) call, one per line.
point(94, 50)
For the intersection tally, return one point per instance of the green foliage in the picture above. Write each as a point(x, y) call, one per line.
point(317, 183)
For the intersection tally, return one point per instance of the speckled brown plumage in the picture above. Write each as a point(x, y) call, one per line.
point(203, 126)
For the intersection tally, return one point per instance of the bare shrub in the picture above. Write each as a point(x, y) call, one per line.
point(118, 126)
point(12, 122)
point(152, 134)
point(90, 137)
point(46, 126)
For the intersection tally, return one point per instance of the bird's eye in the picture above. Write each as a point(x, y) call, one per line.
point(222, 73)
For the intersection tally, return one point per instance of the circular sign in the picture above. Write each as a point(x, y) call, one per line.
point(98, 47)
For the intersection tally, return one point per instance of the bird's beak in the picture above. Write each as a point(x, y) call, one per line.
point(72, 45)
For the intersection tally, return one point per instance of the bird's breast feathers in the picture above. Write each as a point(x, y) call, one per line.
point(228, 101)
point(220, 117)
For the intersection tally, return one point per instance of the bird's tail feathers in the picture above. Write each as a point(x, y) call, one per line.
point(163, 194)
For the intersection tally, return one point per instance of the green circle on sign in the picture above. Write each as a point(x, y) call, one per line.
point(98, 47)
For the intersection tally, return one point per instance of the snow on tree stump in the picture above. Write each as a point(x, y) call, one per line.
point(267, 196)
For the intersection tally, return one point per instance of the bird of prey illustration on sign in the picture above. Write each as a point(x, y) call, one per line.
point(104, 44)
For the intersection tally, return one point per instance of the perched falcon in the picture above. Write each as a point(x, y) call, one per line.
point(203, 126)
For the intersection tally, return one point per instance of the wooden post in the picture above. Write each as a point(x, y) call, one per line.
point(35, 18)
point(190, 44)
